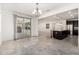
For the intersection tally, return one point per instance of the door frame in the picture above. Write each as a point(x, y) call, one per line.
point(15, 16)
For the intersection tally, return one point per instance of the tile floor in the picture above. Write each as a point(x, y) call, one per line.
point(38, 46)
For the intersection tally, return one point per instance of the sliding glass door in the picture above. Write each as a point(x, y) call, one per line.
point(23, 27)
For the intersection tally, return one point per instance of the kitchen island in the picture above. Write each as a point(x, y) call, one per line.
point(61, 34)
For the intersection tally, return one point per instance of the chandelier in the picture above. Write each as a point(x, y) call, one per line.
point(37, 11)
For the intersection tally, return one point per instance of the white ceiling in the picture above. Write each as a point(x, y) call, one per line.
point(27, 8)
point(67, 15)
point(71, 14)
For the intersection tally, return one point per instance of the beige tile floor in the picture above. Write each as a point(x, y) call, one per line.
point(38, 46)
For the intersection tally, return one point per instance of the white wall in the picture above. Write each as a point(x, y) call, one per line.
point(0, 20)
point(0, 25)
point(54, 25)
point(7, 25)
point(34, 26)
point(42, 26)
point(42, 29)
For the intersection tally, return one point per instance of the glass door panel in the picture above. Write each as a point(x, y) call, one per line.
point(19, 28)
point(27, 27)
point(23, 27)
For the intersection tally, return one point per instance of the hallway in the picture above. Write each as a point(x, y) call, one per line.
point(38, 46)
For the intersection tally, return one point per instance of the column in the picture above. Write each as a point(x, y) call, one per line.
point(34, 26)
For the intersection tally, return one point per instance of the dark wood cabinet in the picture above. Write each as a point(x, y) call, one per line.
point(60, 34)
point(69, 22)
